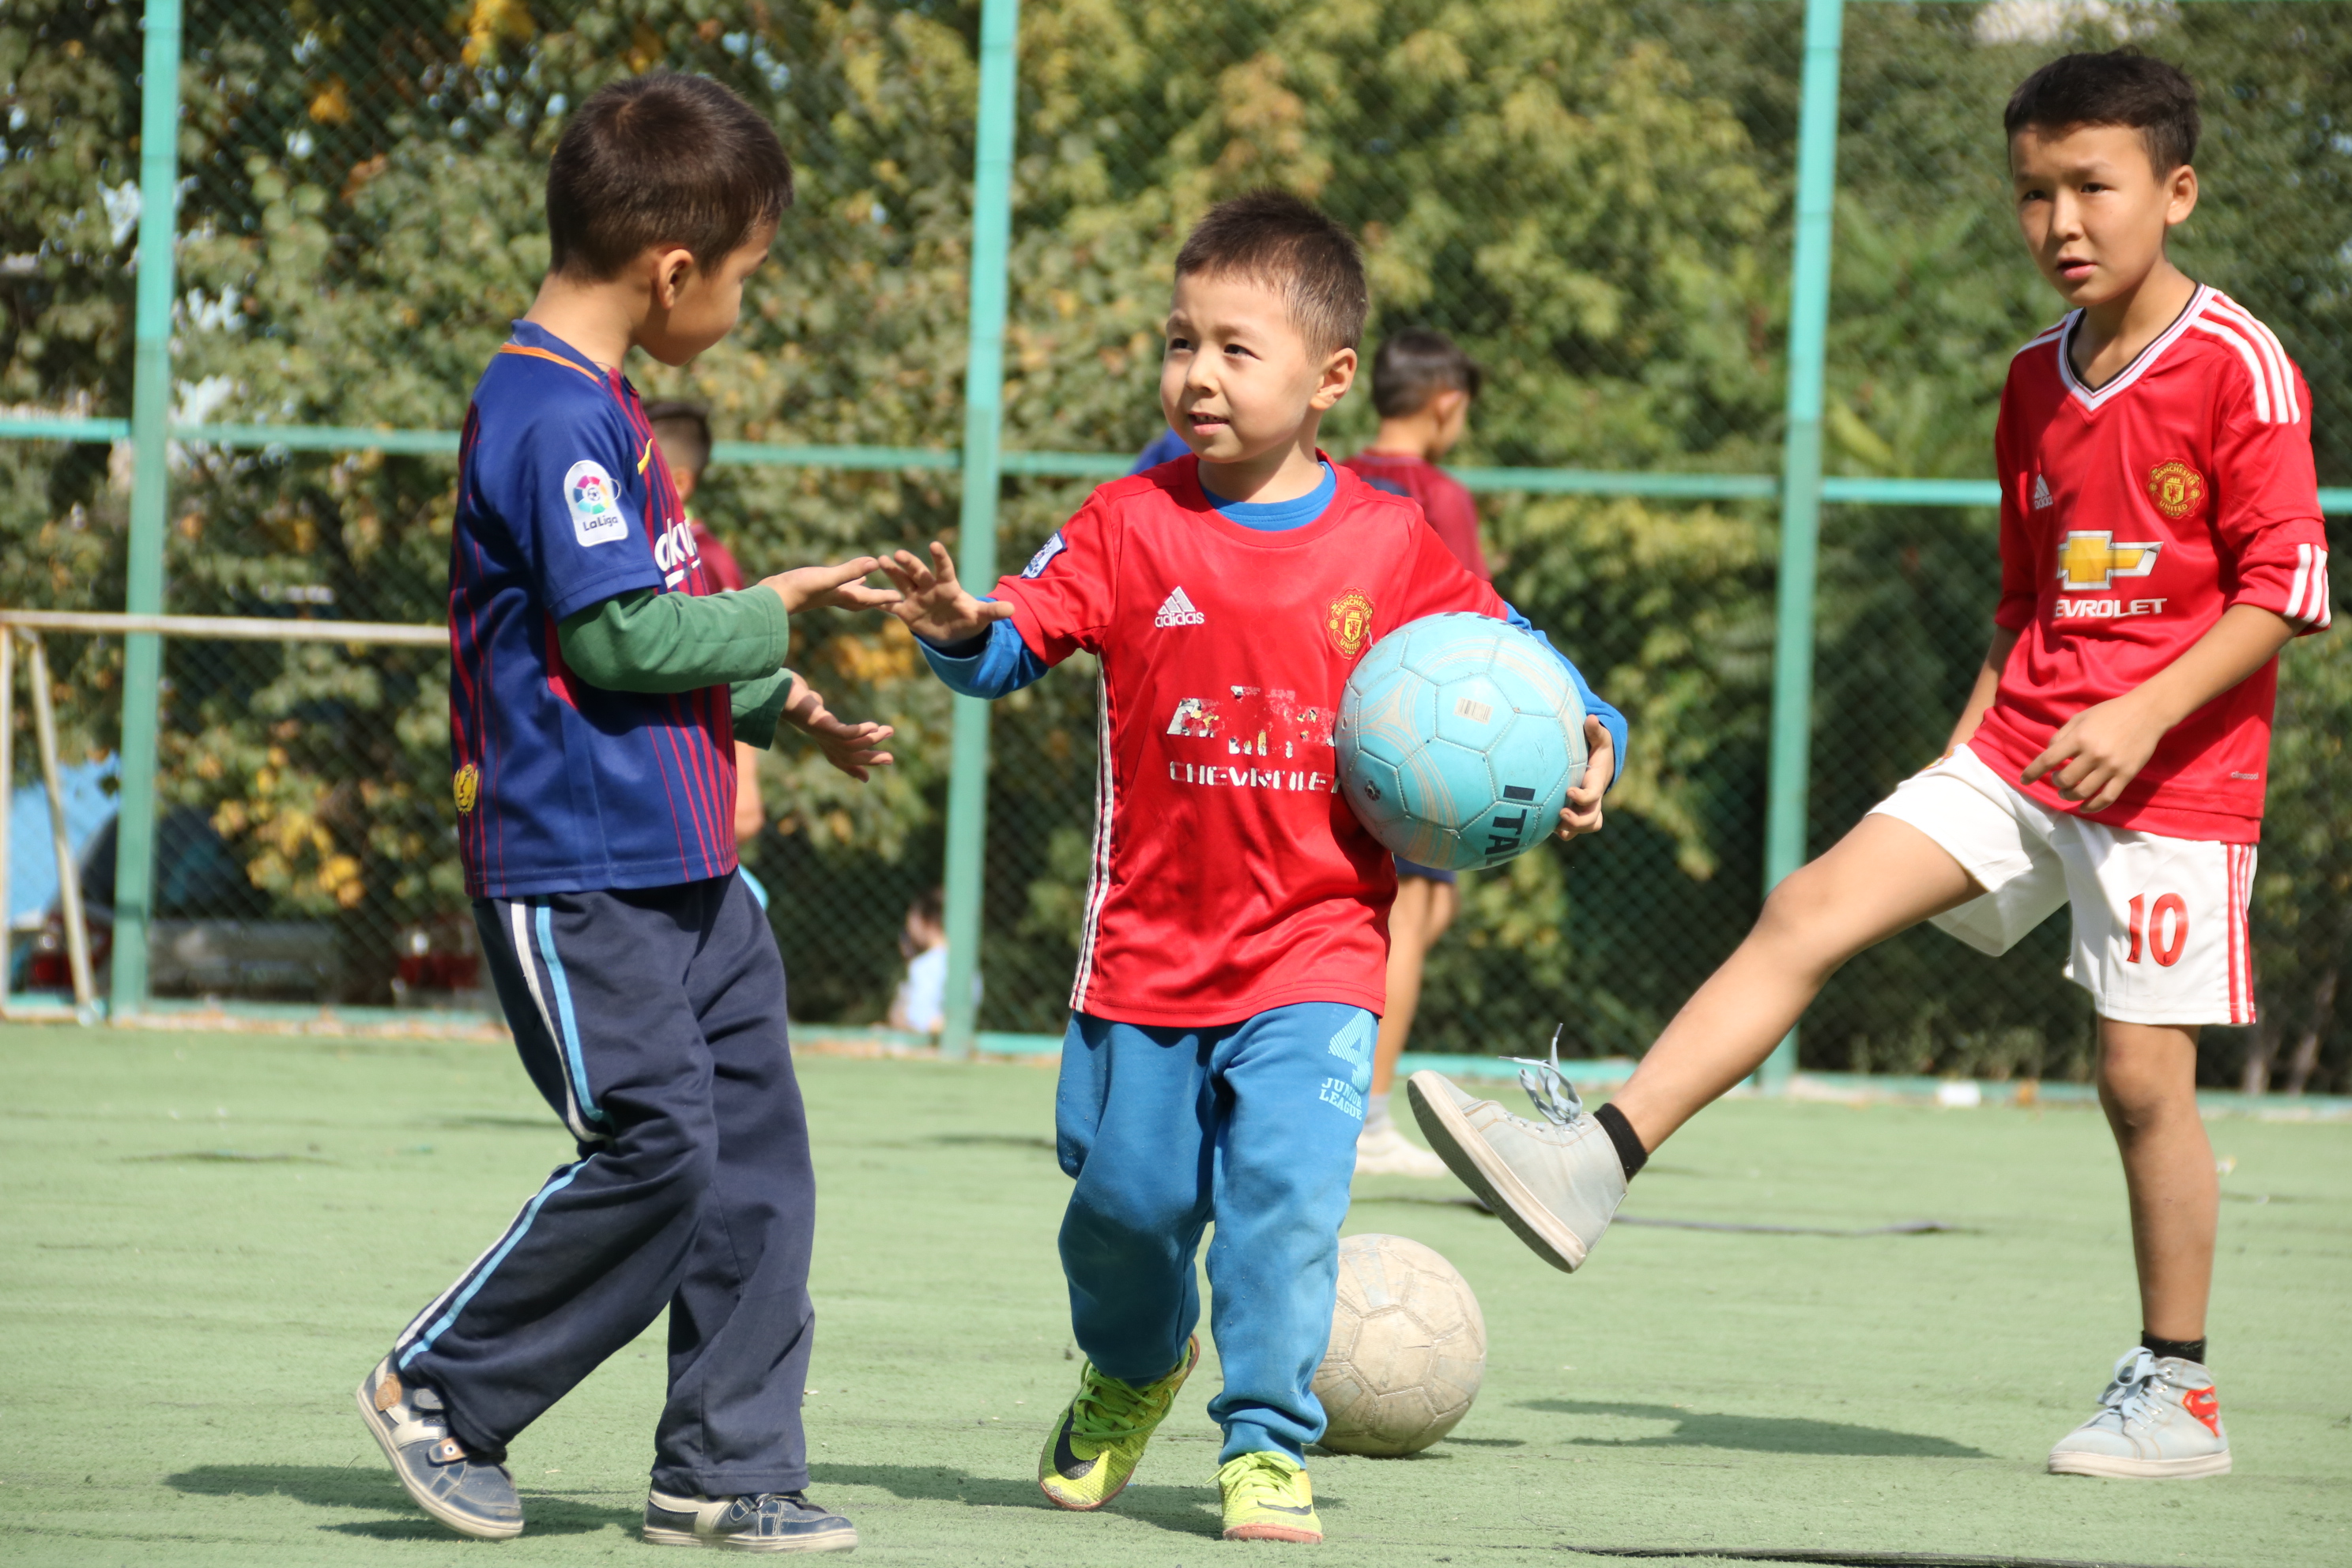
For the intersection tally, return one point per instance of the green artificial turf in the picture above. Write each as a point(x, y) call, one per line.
point(208, 1237)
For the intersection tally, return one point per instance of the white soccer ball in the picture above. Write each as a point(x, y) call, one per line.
point(1408, 1349)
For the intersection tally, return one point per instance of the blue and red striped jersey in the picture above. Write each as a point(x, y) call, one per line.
point(563, 501)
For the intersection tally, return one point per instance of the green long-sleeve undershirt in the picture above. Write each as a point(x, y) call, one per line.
point(645, 641)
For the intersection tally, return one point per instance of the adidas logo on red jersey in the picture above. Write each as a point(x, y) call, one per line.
point(1178, 611)
point(2042, 496)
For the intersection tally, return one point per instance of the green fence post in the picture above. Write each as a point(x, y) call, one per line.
point(984, 417)
point(150, 405)
point(1800, 474)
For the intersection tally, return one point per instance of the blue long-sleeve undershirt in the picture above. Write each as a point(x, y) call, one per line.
point(993, 665)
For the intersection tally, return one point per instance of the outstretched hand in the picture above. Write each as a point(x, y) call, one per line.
point(837, 587)
point(1582, 813)
point(935, 606)
point(852, 748)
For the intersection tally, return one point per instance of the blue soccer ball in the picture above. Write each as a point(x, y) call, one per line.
point(1458, 737)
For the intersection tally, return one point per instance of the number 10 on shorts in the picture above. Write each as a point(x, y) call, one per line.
point(2159, 930)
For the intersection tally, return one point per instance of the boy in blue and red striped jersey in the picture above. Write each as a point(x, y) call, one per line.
point(598, 685)
point(1234, 955)
point(2160, 542)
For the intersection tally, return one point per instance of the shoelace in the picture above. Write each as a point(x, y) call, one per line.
point(1262, 1478)
point(2133, 1394)
point(1107, 1410)
point(1553, 1095)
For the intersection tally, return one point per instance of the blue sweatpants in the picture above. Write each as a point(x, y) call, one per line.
point(1251, 1125)
point(651, 1020)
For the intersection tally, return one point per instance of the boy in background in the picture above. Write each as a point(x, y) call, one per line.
point(920, 1005)
point(683, 430)
point(598, 685)
point(1233, 956)
point(2160, 542)
point(1422, 386)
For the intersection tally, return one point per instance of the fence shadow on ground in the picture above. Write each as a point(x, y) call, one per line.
point(1757, 1434)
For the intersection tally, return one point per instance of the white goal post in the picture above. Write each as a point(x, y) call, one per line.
point(26, 625)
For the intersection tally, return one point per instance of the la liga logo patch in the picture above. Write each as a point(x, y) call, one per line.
point(465, 786)
point(2176, 488)
point(594, 502)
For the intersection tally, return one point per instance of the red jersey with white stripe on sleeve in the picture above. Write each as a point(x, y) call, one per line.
point(1229, 876)
point(2132, 515)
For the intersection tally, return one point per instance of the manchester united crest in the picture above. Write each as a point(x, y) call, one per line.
point(2176, 488)
point(1350, 622)
point(467, 785)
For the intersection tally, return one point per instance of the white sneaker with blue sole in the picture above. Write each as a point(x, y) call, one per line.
point(2159, 1419)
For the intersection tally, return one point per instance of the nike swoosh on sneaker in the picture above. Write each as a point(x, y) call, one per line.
point(1066, 1463)
point(1280, 1508)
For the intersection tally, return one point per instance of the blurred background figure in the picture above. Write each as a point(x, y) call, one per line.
point(920, 1005)
point(1422, 385)
point(684, 431)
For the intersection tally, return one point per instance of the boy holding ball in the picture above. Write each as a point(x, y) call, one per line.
point(1231, 965)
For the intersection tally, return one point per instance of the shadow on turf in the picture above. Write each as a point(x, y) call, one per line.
point(1186, 1510)
point(1758, 1434)
point(354, 1486)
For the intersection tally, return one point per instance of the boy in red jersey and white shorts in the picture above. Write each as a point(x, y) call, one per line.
point(2160, 542)
point(1231, 967)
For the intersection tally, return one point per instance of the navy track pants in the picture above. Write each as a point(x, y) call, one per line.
point(652, 1021)
point(1253, 1125)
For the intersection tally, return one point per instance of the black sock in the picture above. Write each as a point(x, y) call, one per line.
point(2186, 1349)
point(1629, 1152)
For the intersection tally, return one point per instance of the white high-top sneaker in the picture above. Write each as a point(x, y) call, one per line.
point(2159, 1419)
point(1556, 1183)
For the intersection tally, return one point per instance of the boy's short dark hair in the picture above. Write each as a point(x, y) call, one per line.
point(1276, 237)
point(688, 424)
point(1416, 364)
point(2120, 87)
point(661, 159)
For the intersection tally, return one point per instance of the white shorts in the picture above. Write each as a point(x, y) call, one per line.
point(2160, 923)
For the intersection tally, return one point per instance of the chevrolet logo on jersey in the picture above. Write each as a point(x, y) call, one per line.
point(2093, 561)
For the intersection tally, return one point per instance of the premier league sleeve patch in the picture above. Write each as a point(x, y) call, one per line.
point(596, 503)
point(1045, 554)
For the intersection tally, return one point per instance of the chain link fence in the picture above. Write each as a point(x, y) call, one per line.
point(1592, 196)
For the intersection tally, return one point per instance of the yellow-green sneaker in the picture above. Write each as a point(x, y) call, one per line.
point(1092, 1452)
point(1268, 1498)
